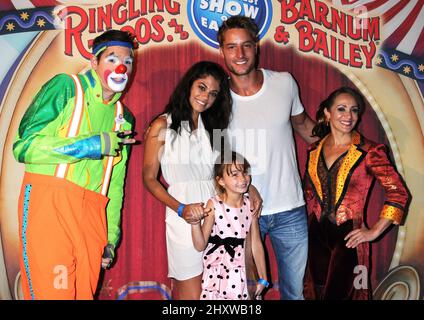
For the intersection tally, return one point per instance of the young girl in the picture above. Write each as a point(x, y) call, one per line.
point(227, 223)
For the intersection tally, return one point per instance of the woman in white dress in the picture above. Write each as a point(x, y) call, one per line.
point(180, 143)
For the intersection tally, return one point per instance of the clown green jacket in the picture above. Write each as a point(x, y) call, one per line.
point(42, 143)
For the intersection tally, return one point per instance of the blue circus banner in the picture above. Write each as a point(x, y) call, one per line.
point(32, 19)
point(206, 16)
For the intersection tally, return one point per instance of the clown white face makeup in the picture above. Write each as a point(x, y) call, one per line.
point(114, 69)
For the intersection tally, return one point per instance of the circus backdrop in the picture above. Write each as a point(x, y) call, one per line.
point(375, 46)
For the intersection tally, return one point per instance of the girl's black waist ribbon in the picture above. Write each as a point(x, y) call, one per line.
point(229, 244)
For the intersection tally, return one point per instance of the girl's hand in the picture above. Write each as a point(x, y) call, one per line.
point(357, 236)
point(194, 212)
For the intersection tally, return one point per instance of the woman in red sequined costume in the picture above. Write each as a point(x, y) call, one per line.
point(341, 167)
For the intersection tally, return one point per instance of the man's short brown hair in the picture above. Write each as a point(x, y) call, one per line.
point(238, 22)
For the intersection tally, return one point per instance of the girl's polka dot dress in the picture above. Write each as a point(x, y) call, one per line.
point(224, 275)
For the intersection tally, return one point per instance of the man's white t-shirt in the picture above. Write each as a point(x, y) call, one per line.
point(261, 131)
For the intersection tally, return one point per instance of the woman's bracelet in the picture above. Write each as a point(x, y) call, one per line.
point(180, 209)
point(263, 282)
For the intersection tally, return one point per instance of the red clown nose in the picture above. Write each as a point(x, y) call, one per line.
point(121, 69)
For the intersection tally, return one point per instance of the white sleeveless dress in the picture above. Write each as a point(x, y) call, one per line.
point(187, 166)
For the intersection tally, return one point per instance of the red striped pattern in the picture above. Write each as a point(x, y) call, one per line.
point(393, 40)
point(397, 36)
point(7, 5)
point(392, 14)
point(419, 46)
point(393, 11)
point(375, 4)
point(45, 3)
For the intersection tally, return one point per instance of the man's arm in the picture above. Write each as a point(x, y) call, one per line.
point(303, 125)
point(116, 196)
point(37, 136)
point(41, 138)
point(116, 190)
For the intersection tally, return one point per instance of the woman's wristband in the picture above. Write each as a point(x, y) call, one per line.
point(263, 282)
point(180, 209)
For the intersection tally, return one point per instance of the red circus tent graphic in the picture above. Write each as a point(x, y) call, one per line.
point(403, 22)
point(7, 5)
point(402, 31)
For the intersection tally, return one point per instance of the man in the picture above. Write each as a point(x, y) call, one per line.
point(267, 102)
point(71, 140)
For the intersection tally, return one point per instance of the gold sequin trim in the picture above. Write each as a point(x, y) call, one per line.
point(313, 167)
point(350, 159)
point(348, 162)
point(313, 172)
point(392, 213)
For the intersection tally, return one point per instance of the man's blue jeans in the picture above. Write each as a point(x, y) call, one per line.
point(288, 232)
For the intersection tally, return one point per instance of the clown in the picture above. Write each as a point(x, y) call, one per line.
point(74, 140)
point(112, 61)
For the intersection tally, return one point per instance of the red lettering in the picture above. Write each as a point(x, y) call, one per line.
point(143, 8)
point(333, 47)
point(92, 20)
point(306, 41)
point(373, 30)
point(355, 55)
point(321, 12)
point(173, 7)
point(132, 14)
point(369, 54)
point(104, 17)
point(119, 19)
point(157, 26)
point(286, 8)
point(79, 21)
point(142, 23)
point(305, 10)
point(338, 21)
point(74, 32)
point(158, 4)
point(354, 27)
point(321, 42)
point(342, 58)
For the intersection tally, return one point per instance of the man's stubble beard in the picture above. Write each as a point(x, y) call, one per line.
point(236, 73)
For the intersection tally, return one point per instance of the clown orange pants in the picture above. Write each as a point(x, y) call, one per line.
point(62, 229)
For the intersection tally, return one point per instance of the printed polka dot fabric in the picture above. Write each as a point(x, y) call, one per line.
point(224, 277)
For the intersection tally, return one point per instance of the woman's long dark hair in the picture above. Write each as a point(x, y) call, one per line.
point(215, 117)
point(322, 128)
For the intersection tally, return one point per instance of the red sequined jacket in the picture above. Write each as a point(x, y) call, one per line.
point(364, 162)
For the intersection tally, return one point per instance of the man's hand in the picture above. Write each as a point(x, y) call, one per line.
point(259, 290)
point(255, 201)
point(194, 212)
point(108, 255)
point(112, 142)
